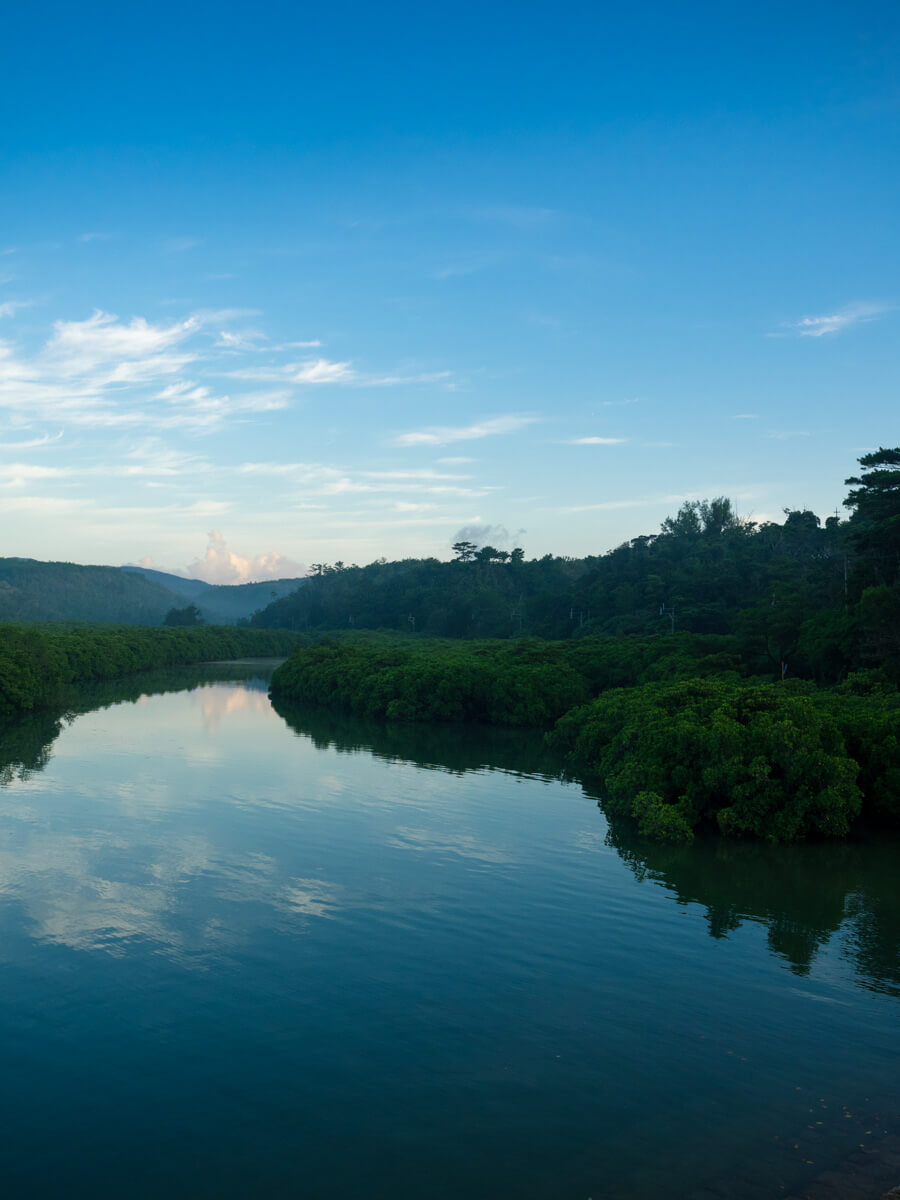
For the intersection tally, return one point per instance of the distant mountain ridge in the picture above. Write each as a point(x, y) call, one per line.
point(175, 583)
point(31, 590)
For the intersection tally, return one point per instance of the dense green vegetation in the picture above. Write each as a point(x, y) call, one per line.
point(758, 759)
point(778, 717)
point(39, 663)
point(526, 682)
point(805, 598)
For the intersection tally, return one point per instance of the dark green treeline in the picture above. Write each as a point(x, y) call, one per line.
point(39, 663)
point(816, 600)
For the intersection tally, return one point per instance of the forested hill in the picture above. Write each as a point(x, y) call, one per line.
point(55, 591)
point(49, 591)
point(815, 595)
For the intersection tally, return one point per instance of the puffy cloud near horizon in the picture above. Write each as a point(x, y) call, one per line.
point(221, 565)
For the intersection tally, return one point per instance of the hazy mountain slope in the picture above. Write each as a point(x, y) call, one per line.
point(190, 588)
point(224, 604)
point(40, 591)
point(54, 591)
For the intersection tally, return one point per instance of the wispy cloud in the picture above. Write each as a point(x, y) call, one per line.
point(405, 380)
point(17, 475)
point(619, 403)
point(783, 434)
point(742, 493)
point(106, 372)
point(132, 351)
point(597, 441)
point(32, 443)
point(309, 371)
point(312, 480)
point(836, 322)
point(745, 417)
point(321, 370)
point(9, 308)
point(442, 435)
point(240, 339)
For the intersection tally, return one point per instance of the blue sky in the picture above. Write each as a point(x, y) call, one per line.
point(342, 282)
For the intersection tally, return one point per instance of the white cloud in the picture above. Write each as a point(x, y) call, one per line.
point(31, 443)
point(390, 380)
point(745, 417)
point(619, 403)
point(123, 353)
point(153, 457)
point(317, 480)
point(310, 371)
point(441, 435)
point(321, 370)
point(244, 339)
point(852, 314)
point(221, 565)
point(17, 475)
point(44, 506)
point(425, 473)
point(9, 308)
point(742, 493)
point(457, 460)
point(597, 441)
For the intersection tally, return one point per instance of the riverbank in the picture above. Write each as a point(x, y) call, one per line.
point(671, 731)
point(39, 662)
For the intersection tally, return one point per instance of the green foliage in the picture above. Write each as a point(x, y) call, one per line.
point(524, 682)
point(794, 594)
point(38, 663)
point(866, 709)
point(879, 621)
point(875, 515)
point(428, 681)
point(660, 821)
point(188, 616)
point(760, 760)
point(701, 573)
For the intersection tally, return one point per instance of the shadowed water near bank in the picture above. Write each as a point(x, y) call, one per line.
point(279, 953)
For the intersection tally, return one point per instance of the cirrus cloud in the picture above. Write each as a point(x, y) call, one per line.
point(442, 435)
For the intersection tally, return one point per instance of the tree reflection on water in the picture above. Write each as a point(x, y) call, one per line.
point(803, 895)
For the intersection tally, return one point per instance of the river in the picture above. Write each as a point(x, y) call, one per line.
point(256, 953)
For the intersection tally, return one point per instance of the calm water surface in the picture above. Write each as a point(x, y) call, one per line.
point(251, 953)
